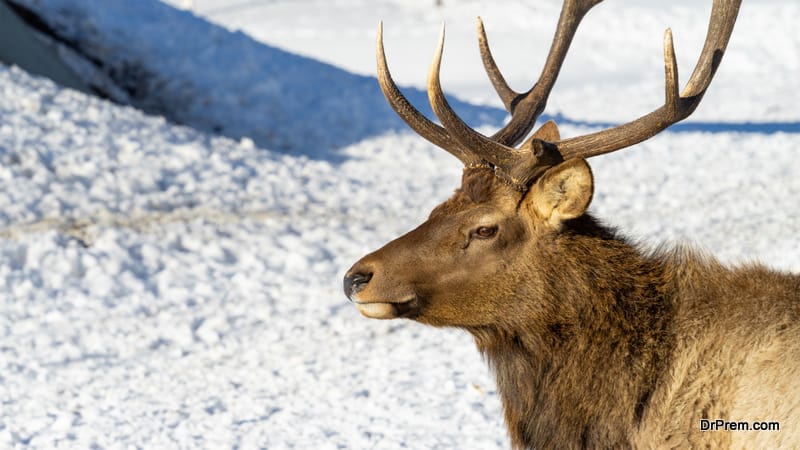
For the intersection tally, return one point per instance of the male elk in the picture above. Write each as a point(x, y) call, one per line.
point(592, 341)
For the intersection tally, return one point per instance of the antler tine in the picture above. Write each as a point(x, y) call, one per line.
point(676, 107)
point(507, 95)
point(526, 108)
point(410, 115)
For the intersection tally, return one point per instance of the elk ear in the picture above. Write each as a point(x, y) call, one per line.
point(548, 132)
point(563, 192)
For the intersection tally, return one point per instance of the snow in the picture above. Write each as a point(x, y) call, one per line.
point(161, 286)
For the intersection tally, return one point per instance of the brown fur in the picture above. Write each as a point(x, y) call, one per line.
point(593, 342)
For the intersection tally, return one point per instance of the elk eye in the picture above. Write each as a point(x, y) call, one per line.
point(485, 232)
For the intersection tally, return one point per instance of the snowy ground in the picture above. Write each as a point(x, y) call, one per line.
point(162, 287)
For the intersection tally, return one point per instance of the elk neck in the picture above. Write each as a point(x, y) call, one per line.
point(586, 370)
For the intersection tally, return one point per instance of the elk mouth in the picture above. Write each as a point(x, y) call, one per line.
point(390, 310)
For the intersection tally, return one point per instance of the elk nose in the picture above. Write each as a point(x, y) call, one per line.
point(355, 282)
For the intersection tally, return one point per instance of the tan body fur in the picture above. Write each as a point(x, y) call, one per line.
point(737, 358)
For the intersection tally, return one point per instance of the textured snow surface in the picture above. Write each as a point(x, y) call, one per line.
point(161, 287)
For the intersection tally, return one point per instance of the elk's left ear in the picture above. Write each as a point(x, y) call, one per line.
point(562, 193)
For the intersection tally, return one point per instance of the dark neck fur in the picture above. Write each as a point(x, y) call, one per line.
point(583, 377)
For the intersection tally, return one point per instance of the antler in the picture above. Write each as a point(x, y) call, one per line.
point(522, 165)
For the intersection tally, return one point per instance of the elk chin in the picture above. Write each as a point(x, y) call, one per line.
point(389, 310)
point(377, 310)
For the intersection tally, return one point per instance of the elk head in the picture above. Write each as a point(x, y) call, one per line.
point(485, 256)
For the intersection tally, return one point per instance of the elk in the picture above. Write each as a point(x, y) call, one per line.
point(593, 341)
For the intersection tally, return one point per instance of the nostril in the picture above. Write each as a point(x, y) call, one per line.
point(355, 282)
point(362, 278)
